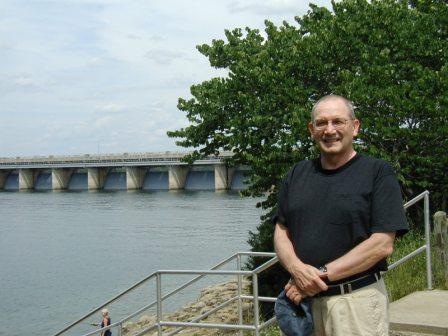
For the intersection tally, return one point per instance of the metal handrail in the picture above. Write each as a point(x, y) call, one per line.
point(136, 285)
point(255, 298)
point(407, 257)
point(427, 247)
point(200, 274)
point(96, 310)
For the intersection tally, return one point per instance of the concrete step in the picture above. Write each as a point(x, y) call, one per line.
point(406, 333)
point(420, 313)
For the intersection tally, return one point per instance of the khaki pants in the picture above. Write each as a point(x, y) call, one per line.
point(364, 312)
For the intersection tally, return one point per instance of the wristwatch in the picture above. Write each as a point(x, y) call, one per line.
point(324, 270)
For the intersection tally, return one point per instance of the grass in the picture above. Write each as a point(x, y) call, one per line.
point(411, 276)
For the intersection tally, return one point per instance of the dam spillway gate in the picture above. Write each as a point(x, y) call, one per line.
point(141, 171)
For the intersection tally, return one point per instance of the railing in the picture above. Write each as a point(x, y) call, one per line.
point(256, 326)
point(427, 247)
point(107, 160)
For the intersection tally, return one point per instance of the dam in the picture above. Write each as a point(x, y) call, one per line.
point(127, 171)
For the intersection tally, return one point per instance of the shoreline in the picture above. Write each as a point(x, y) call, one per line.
point(210, 297)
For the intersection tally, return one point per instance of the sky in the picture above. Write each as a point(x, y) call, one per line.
point(104, 76)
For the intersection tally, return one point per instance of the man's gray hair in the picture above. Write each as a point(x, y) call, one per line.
point(348, 103)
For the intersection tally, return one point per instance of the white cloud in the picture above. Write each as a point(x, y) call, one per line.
point(165, 57)
point(103, 122)
point(78, 73)
point(272, 7)
point(94, 61)
point(111, 107)
point(269, 8)
point(25, 81)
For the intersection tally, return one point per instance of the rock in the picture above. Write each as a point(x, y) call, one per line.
point(129, 326)
point(210, 297)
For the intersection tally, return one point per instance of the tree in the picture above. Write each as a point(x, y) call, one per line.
point(389, 57)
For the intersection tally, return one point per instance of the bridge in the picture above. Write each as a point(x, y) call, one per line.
point(127, 171)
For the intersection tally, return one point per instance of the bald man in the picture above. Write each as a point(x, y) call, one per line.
point(337, 218)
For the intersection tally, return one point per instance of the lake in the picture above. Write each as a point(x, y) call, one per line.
point(65, 253)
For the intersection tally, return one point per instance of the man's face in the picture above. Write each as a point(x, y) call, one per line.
point(332, 128)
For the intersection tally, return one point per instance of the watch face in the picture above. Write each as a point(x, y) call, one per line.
point(323, 269)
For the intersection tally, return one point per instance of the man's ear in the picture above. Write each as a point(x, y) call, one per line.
point(356, 126)
point(311, 129)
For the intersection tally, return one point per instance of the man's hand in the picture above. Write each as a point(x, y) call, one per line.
point(309, 279)
point(293, 292)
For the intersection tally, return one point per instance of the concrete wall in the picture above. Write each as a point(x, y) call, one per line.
point(223, 177)
point(96, 178)
point(60, 178)
point(134, 177)
point(177, 175)
point(27, 177)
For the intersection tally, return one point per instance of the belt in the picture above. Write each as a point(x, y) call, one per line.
point(349, 286)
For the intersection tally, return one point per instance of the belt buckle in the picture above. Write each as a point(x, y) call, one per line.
point(344, 290)
point(349, 286)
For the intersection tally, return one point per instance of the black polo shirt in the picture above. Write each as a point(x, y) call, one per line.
point(328, 212)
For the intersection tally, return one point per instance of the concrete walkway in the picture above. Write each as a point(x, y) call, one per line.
point(423, 312)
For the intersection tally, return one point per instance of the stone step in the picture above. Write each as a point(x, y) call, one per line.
point(420, 313)
point(405, 333)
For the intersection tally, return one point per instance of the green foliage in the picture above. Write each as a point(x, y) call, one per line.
point(389, 57)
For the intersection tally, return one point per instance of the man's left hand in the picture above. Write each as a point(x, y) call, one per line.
point(293, 292)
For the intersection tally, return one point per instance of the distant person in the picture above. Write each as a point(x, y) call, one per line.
point(105, 321)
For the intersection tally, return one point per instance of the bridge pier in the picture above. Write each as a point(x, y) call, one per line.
point(223, 177)
point(134, 177)
point(60, 178)
point(27, 177)
point(177, 175)
point(96, 178)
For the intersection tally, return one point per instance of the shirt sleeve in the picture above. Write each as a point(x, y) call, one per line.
point(387, 204)
point(282, 204)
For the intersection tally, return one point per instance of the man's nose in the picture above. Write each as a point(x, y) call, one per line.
point(329, 128)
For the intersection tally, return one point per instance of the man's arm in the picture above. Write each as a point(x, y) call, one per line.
point(362, 257)
point(357, 260)
point(306, 277)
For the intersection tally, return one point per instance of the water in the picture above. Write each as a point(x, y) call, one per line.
point(115, 181)
point(200, 180)
point(64, 253)
point(43, 181)
point(156, 181)
point(78, 181)
point(12, 182)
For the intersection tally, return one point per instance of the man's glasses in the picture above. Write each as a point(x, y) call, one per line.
point(338, 123)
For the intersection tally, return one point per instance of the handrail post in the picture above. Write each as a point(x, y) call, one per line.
point(256, 308)
point(159, 302)
point(240, 307)
point(120, 329)
point(428, 242)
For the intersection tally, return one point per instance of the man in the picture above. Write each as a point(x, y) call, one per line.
point(337, 219)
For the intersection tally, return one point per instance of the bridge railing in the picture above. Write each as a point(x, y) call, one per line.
point(107, 160)
point(256, 326)
point(106, 156)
